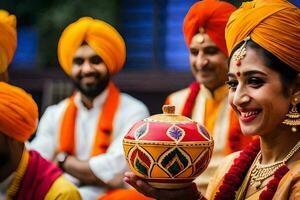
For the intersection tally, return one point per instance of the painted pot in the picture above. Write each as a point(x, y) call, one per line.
point(168, 150)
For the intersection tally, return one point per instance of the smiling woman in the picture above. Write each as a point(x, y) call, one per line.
point(261, 99)
point(264, 89)
point(253, 84)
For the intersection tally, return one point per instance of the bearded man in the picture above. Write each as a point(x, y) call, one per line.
point(84, 132)
point(206, 99)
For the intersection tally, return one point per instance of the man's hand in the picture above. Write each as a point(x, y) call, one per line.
point(190, 193)
point(60, 159)
point(81, 170)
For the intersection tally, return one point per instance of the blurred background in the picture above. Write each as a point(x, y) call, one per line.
point(157, 58)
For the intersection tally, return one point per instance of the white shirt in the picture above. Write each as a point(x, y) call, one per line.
point(108, 167)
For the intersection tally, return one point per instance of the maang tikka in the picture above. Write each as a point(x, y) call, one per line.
point(293, 116)
point(241, 52)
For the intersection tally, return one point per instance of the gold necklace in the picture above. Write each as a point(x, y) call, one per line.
point(260, 172)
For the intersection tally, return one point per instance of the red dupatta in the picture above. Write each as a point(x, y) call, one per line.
point(39, 176)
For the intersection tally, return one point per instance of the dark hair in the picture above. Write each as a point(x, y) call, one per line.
point(287, 73)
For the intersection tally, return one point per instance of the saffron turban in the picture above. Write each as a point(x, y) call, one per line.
point(212, 15)
point(100, 36)
point(273, 24)
point(18, 112)
point(8, 39)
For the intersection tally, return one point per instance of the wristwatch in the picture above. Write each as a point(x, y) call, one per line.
point(61, 157)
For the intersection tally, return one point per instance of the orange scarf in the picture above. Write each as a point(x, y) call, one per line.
point(104, 128)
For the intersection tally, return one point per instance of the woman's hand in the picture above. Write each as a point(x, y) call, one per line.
point(189, 193)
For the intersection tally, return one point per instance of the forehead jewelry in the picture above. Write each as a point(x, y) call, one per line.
point(200, 35)
point(241, 52)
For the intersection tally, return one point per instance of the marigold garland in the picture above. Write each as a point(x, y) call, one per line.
point(268, 193)
point(234, 177)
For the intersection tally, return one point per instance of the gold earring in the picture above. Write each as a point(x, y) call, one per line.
point(293, 116)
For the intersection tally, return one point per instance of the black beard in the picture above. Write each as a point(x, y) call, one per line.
point(91, 91)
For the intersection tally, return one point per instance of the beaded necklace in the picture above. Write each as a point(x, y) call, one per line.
point(261, 172)
point(237, 172)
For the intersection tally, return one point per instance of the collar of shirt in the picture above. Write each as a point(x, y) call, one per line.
point(98, 101)
point(218, 93)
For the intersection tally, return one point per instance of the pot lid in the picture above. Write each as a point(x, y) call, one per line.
point(169, 116)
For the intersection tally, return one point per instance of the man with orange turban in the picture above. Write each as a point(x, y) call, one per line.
point(205, 100)
point(8, 41)
point(25, 174)
point(263, 38)
point(84, 132)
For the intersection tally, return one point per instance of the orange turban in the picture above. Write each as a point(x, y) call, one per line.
point(273, 24)
point(100, 36)
point(18, 112)
point(8, 39)
point(212, 15)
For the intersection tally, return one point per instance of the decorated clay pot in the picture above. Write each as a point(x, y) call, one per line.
point(168, 150)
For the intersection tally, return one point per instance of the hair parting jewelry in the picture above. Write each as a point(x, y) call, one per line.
point(241, 52)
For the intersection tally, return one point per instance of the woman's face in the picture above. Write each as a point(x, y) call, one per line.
point(256, 94)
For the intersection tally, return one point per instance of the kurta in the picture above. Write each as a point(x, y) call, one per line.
point(288, 187)
point(215, 113)
point(110, 166)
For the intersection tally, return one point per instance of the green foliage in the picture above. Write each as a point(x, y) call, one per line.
point(52, 22)
point(25, 10)
point(50, 17)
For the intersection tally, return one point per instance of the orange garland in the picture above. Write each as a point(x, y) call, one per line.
point(104, 128)
point(234, 178)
